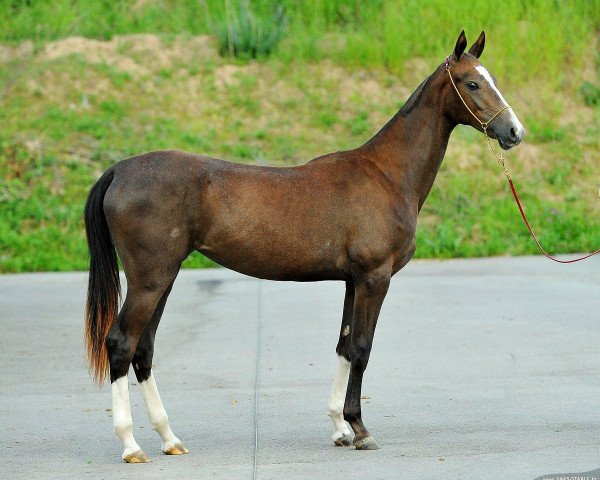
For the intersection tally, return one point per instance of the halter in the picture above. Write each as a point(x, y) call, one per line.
point(484, 125)
point(501, 161)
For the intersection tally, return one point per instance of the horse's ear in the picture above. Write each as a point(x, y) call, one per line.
point(461, 44)
point(477, 47)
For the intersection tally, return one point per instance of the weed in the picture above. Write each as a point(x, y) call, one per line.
point(544, 131)
point(113, 108)
point(359, 125)
point(245, 35)
point(117, 77)
point(165, 73)
point(327, 119)
point(590, 94)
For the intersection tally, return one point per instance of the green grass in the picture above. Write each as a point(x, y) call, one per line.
point(243, 34)
point(529, 39)
point(340, 72)
point(469, 222)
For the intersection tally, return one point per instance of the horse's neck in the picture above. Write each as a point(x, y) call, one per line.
point(410, 148)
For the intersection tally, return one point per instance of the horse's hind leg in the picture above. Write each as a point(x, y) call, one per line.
point(342, 436)
point(142, 366)
point(146, 286)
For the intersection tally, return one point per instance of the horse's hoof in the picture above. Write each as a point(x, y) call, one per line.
point(137, 457)
point(367, 443)
point(344, 441)
point(177, 449)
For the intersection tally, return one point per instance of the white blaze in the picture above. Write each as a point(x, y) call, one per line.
point(338, 397)
point(488, 78)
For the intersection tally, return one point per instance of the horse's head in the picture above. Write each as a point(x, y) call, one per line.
point(484, 107)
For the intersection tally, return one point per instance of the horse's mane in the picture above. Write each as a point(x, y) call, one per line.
point(413, 100)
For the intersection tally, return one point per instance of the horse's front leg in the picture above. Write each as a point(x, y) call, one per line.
point(341, 436)
point(370, 290)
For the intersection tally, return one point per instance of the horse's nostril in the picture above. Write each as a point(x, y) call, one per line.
point(514, 134)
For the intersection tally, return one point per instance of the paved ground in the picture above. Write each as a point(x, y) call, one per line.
point(480, 369)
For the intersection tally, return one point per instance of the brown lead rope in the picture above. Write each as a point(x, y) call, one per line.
point(502, 161)
point(514, 192)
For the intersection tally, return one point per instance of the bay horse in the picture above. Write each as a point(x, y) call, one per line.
point(349, 216)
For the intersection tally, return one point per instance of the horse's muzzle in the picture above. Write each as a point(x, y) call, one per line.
point(509, 133)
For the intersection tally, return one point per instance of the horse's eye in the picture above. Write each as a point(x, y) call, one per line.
point(472, 86)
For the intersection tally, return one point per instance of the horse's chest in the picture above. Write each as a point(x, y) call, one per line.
point(381, 243)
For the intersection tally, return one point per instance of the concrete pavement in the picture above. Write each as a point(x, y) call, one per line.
point(480, 369)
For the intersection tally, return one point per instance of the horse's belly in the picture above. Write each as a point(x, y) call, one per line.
point(278, 258)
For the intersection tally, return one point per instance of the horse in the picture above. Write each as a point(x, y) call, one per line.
point(349, 216)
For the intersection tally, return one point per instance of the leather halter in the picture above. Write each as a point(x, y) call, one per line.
point(484, 125)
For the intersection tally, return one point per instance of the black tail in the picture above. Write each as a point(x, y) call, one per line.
point(104, 288)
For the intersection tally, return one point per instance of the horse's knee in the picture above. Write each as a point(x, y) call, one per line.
point(359, 352)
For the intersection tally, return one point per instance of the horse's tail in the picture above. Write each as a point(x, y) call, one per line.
point(104, 288)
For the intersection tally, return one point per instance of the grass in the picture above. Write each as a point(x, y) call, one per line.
point(340, 72)
point(538, 38)
point(245, 35)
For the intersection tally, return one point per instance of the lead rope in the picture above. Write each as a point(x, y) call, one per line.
point(502, 161)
